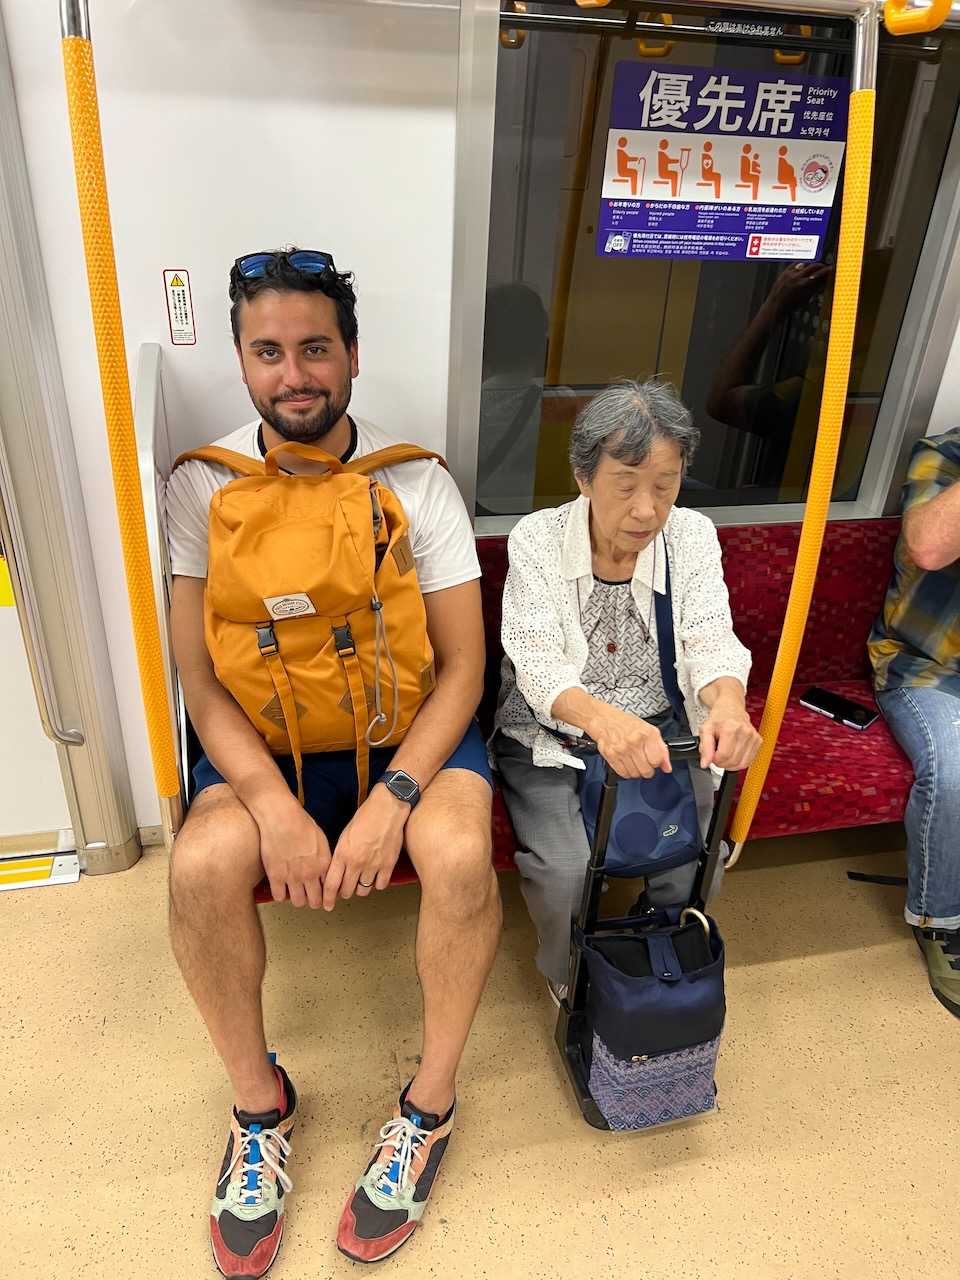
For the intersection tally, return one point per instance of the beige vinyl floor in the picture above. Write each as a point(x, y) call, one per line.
point(834, 1152)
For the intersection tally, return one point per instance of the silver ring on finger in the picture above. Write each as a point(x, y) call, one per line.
point(363, 884)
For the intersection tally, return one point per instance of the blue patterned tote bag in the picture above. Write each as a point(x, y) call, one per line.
point(655, 1011)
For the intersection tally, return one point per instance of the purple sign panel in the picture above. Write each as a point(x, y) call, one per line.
point(704, 163)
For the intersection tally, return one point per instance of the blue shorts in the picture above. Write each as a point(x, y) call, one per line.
point(330, 777)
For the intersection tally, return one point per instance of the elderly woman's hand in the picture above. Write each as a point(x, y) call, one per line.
point(632, 748)
point(727, 736)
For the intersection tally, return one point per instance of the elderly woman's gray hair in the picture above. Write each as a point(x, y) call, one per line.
point(624, 420)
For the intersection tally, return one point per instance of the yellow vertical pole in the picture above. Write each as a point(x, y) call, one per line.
point(115, 384)
point(901, 18)
point(843, 319)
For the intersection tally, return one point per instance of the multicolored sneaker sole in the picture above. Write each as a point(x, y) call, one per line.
point(387, 1203)
point(247, 1213)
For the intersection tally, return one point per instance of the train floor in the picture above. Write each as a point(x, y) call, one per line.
point(833, 1153)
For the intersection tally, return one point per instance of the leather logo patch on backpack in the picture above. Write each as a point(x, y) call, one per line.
point(296, 605)
point(346, 702)
point(403, 555)
point(273, 711)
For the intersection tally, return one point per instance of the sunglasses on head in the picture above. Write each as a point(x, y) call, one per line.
point(312, 261)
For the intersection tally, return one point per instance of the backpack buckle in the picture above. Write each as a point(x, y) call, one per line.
point(267, 640)
point(343, 639)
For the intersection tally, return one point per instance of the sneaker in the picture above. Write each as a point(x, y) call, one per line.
point(388, 1201)
point(246, 1217)
point(941, 950)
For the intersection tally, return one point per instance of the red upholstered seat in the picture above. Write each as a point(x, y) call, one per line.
point(823, 776)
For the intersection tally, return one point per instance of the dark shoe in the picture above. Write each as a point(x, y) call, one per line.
point(387, 1203)
point(246, 1217)
point(941, 950)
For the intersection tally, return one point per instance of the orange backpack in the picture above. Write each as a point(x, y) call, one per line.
point(313, 615)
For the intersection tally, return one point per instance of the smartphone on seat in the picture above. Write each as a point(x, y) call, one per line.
point(844, 710)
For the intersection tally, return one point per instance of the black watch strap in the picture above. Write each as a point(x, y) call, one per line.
point(402, 786)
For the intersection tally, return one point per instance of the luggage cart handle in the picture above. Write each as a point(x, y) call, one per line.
point(686, 748)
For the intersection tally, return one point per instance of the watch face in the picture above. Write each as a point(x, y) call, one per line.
point(403, 786)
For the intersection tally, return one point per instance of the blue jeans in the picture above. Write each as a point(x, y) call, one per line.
point(926, 723)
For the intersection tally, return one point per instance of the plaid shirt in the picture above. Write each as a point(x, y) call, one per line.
point(916, 639)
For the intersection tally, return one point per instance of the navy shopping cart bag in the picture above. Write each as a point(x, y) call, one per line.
point(654, 1013)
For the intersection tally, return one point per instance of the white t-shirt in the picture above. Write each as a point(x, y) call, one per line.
point(441, 534)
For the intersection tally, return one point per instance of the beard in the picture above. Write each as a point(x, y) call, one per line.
point(307, 428)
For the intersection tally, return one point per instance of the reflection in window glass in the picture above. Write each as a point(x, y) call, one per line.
point(745, 342)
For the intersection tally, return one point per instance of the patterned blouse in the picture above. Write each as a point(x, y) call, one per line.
point(623, 666)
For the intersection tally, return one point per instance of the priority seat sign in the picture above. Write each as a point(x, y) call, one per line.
point(706, 163)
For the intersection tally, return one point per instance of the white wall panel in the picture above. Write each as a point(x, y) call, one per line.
point(231, 126)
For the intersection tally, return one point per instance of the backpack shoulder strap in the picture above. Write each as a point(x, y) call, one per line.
point(391, 457)
point(225, 457)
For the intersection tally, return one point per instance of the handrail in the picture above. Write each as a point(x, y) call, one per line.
point(510, 37)
point(91, 182)
point(921, 16)
point(661, 50)
point(625, 26)
point(25, 596)
point(903, 19)
point(784, 59)
point(836, 8)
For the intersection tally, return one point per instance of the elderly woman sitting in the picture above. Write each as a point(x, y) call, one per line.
point(579, 634)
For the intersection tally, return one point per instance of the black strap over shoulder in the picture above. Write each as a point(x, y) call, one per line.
point(666, 645)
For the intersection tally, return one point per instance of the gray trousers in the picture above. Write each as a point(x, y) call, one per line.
point(544, 806)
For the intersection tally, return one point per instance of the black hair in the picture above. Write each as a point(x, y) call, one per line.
point(282, 277)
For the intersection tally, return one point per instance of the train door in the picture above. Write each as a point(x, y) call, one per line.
point(36, 837)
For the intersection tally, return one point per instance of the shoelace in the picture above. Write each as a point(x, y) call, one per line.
point(266, 1147)
point(406, 1139)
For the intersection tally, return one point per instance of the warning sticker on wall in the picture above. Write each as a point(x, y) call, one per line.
point(183, 330)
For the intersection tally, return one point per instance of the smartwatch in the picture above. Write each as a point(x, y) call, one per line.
point(402, 786)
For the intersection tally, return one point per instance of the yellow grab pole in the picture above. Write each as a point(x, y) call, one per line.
point(901, 19)
point(115, 384)
point(843, 318)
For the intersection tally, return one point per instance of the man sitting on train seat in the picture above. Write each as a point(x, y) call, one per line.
point(915, 650)
point(295, 331)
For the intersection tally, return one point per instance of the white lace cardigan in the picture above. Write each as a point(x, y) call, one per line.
point(550, 575)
